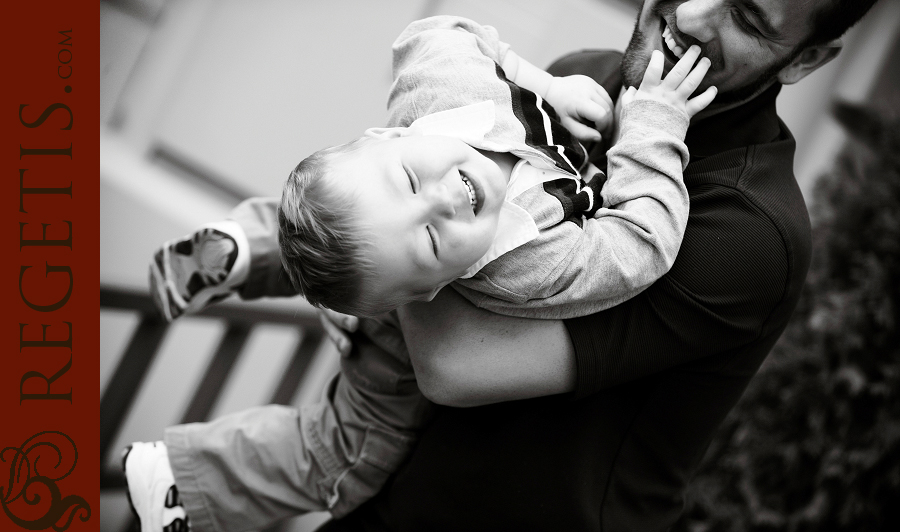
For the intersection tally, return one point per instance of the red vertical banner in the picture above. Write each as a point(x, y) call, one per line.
point(49, 272)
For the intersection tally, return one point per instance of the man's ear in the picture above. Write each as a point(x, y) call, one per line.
point(808, 61)
point(386, 132)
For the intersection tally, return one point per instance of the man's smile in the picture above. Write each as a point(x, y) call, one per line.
point(671, 44)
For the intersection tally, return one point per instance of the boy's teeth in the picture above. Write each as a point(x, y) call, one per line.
point(472, 199)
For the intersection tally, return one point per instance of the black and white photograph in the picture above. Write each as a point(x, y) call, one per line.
point(525, 265)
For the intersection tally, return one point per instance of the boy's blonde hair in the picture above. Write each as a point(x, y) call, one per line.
point(323, 243)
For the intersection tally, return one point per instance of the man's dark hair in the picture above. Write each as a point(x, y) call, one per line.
point(834, 18)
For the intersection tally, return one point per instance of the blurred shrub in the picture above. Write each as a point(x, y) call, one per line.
point(814, 444)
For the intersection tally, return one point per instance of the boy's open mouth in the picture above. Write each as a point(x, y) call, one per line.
point(473, 191)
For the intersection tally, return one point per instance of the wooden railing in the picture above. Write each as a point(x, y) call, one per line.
point(144, 344)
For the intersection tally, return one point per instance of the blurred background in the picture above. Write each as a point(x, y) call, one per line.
point(204, 103)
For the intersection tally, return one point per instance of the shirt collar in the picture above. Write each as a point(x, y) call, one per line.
point(753, 122)
point(515, 225)
point(470, 124)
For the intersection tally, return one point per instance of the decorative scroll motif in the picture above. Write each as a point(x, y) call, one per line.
point(34, 469)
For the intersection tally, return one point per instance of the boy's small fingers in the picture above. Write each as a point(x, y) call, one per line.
point(337, 335)
point(701, 101)
point(580, 131)
point(604, 124)
point(328, 325)
point(632, 92)
point(593, 111)
point(344, 321)
point(628, 96)
point(654, 71)
point(693, 80)
point(602, 97)
point(683, 67)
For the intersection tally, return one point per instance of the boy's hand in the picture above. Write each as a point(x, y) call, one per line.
point(337, 326)
point(679, 84)
point(579, 98)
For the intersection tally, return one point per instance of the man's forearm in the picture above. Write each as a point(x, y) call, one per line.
point(466, 356)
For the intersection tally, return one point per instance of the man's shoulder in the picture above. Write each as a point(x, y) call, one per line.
point(755, 224)
point(761, 173)
point(769, 182)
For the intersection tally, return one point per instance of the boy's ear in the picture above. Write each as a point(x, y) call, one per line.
point(808, 61)
point(386, 132)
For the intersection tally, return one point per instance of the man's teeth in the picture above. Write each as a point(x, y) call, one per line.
point(671, 44)
point(473, 200)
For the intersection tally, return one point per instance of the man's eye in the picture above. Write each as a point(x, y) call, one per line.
point(743, 22)
point(413, 182)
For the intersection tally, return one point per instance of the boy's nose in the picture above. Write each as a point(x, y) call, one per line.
point(441, 201)
point(698, 18)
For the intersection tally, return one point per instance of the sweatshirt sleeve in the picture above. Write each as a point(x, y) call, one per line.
point(583, 265)
point(442, 63)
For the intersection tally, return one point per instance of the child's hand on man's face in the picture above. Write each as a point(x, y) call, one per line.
point(577, 99)
point(678, 85)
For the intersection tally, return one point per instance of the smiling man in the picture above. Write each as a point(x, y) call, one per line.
point(750, 44)
point(650, 380)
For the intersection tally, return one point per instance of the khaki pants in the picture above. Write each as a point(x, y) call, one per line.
point(250, 469)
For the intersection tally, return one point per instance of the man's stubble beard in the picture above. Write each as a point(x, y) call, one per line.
point(633, 67)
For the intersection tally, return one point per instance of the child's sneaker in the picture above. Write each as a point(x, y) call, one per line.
point(188, 273)
point(151, 488)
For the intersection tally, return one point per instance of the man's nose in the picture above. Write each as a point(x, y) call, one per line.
point(700, 18)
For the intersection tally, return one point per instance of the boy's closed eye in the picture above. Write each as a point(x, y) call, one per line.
point(413, 180)
point(432, 234)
